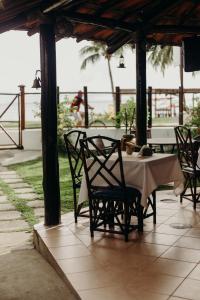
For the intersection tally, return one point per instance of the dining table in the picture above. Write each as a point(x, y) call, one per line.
point(145, 173)
point(163, 143)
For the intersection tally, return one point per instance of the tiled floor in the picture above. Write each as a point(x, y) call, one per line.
point(162, 263)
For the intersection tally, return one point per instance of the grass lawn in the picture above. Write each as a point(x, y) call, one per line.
point(31, 172)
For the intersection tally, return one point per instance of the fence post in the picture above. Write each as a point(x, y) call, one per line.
point(22, 105)
point(117, 105)
point(86, 106)
point(149, 112)
point(181, 96)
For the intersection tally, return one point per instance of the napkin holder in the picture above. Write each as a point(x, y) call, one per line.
point(145, 151)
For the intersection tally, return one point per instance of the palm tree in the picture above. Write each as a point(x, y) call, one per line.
point(161, 57)
point(93, 53)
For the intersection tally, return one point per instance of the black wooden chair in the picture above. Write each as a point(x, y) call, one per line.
point(72, 139)
point(188, 155)
point(111, 203)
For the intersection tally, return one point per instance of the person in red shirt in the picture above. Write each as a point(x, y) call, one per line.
point(76, 108)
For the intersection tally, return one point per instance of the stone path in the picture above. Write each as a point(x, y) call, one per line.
point(15, 232)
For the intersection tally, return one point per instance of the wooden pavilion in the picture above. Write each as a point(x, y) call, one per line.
point(114, 22)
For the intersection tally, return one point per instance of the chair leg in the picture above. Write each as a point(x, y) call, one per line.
point(154, 206)
point(126, 223)
point(140, 217)
point(75, 205)
point(194, 193)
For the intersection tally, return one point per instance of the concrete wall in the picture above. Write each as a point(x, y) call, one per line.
point(31, 138)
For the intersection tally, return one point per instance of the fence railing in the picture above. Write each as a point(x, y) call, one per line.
point(166, 107)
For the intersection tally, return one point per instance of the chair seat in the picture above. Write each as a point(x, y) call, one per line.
point(191, 171)
point(115, 193)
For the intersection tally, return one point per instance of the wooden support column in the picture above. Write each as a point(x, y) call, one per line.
point(86, 106)
point(149, 107)
point(49, 125)
point(117, 105)
point(58, 94)
point(22, 105)
point(141, 102)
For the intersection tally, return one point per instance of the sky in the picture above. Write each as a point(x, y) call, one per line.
point(20, 58)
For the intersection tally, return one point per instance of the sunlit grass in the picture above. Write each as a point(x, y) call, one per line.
point(31, 172)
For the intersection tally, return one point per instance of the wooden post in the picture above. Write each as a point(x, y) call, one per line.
point(117, 105)
point(86, 106)
point(22, 105)
point(149, 107)
point(180, 105)
point(49, 125)
point(141, 102)
point(58, 94)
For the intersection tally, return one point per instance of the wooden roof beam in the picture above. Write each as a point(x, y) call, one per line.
point(158, 10)
point(105, 7)
point(99, 21)
point(87, 35)
point(121, 42)
point(171, 29)
point(13, 24)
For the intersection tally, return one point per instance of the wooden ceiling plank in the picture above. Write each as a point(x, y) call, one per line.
point(87, 35)
point(13, 24)
point(187, 15)
point(104, 8)
point(171, 29)
point(121, 42)
point(101, 22)
point(56, 5)
point(161, 8)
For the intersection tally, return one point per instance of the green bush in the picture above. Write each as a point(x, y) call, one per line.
point(127, 115)
point(65, 123)
point(194, 119)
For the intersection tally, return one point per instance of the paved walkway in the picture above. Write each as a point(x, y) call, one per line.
point(24, 269)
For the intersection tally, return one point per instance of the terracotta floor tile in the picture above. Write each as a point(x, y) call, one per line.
point(149, 249)
point(56, 230)
point(188, 242)
point(91, 279)
point(150, 226)
point(177, 253)
point(109, 293)
point(168, 229)
point(161, 239)
point(69, 251)
point(166, 212)
point(179, 219)
point(195, 274)
point(159, 219)
point(87, 240)
point(129, 258)
point(79, 264)
point(194, 232)
point(62, 240)
point(177, 298)
point(158, 283)
point(189, 289)
point(113, 293)
point(171, 267)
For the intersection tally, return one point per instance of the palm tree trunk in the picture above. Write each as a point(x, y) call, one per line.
point(111, 80)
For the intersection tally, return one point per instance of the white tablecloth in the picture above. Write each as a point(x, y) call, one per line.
point(146, 174)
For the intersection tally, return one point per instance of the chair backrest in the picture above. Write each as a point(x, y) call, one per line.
point(72, 139)
point(102, 168)
point(187, 147)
